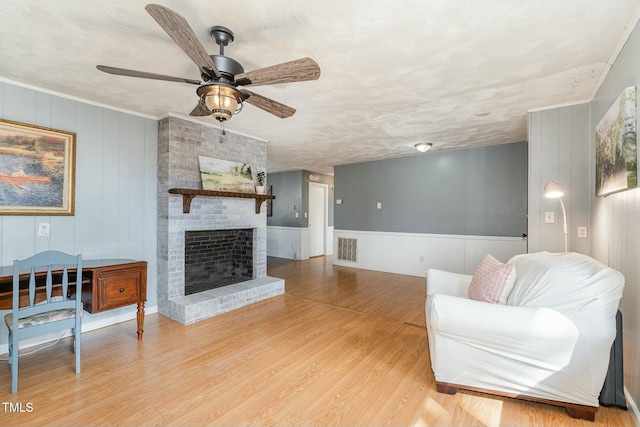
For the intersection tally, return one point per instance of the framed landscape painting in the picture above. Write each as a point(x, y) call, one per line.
point(223, 175)
point(37, 170)
point(616, 148)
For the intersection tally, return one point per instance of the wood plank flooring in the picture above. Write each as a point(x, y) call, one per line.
point(342, 347)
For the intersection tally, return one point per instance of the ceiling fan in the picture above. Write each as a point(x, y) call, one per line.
point(221, 90)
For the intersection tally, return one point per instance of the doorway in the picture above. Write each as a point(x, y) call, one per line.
point(318, 218)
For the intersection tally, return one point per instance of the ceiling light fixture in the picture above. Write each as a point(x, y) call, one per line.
point(223, 100)
point(423, 147)
point(219, 94)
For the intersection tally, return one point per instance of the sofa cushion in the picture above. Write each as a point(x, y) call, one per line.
point(492, 281)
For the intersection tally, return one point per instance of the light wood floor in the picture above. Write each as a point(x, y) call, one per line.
point(342, 347)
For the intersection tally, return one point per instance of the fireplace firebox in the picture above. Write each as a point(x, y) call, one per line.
point(217, 258)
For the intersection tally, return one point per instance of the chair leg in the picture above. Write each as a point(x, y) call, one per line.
point(14, 363)
point(77, 344)
point(10, 352)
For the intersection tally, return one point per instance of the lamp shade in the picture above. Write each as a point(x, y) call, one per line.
point(222, 100)
point(553, 190)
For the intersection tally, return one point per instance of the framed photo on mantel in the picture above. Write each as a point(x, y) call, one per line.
point(37, 170)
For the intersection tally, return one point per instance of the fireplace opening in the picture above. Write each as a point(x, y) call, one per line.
point(216, 258)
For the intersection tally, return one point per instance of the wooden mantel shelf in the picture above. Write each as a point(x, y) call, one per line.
point(189, 193)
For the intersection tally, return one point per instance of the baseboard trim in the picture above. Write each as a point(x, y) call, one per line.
point(631, 404)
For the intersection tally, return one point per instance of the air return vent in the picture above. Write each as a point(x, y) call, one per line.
point(347, 249)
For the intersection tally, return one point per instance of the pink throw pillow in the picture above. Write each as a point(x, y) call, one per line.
point(492, 281)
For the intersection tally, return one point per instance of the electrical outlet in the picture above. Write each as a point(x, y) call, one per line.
point(582, 232)
point(44, 229)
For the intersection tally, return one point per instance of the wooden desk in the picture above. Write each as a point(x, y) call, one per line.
point(106, 284)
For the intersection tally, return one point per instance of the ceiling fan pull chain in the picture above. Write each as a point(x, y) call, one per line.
point(223, 132)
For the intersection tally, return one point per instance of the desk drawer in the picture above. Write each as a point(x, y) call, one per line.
point(118, 287)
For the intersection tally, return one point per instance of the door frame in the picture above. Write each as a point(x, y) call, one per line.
point(325, 215)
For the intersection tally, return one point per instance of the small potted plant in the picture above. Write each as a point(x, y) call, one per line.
point(261, 181)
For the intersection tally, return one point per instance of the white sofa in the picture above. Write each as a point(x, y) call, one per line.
point(550, 342)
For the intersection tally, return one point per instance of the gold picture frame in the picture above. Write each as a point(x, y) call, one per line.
point(37, 170)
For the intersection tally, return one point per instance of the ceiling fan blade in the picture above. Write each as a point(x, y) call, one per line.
point(200, 110)
point(268, 105)
point(144, 74)
point(179, 30)
point(294, 71)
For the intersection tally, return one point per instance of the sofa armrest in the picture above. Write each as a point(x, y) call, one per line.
point(538, 334)
point(445, 282)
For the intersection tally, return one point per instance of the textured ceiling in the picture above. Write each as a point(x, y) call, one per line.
point(394, 73)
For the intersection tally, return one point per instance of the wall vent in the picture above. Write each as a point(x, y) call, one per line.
point(347, 249)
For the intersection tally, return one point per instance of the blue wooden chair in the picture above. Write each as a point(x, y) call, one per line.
point(43, 312)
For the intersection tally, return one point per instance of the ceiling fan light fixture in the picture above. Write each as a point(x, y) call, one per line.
point(423, 147)
point(222, 100)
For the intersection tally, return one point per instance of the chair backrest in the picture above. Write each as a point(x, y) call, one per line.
point(569, 282)
point(46, 278)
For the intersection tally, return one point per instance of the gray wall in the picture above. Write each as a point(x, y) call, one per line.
point(479, 191)
point(287, 187)
point(115, 198)
point(292, 189)
point(559, 151)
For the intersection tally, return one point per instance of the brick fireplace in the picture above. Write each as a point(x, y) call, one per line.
point(180, 142)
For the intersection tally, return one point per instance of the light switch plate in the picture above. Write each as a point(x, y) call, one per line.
point(549, 217)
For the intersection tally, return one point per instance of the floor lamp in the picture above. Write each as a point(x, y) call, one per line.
point(553, 190)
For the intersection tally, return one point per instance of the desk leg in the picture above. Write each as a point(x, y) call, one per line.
point(140, 319)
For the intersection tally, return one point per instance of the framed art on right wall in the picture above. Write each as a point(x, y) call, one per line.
point(616, 150)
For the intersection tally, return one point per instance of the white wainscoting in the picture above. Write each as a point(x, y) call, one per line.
point(414, 253)
point(328, 248)
point(293, 242)
point(288, 242)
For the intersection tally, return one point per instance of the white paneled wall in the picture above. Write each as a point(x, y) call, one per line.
point(562, 147)
point(115, 192)
point(414, 253)
point(559, 151)
point(293, 242)
point(616, 218)
point(287, 242)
